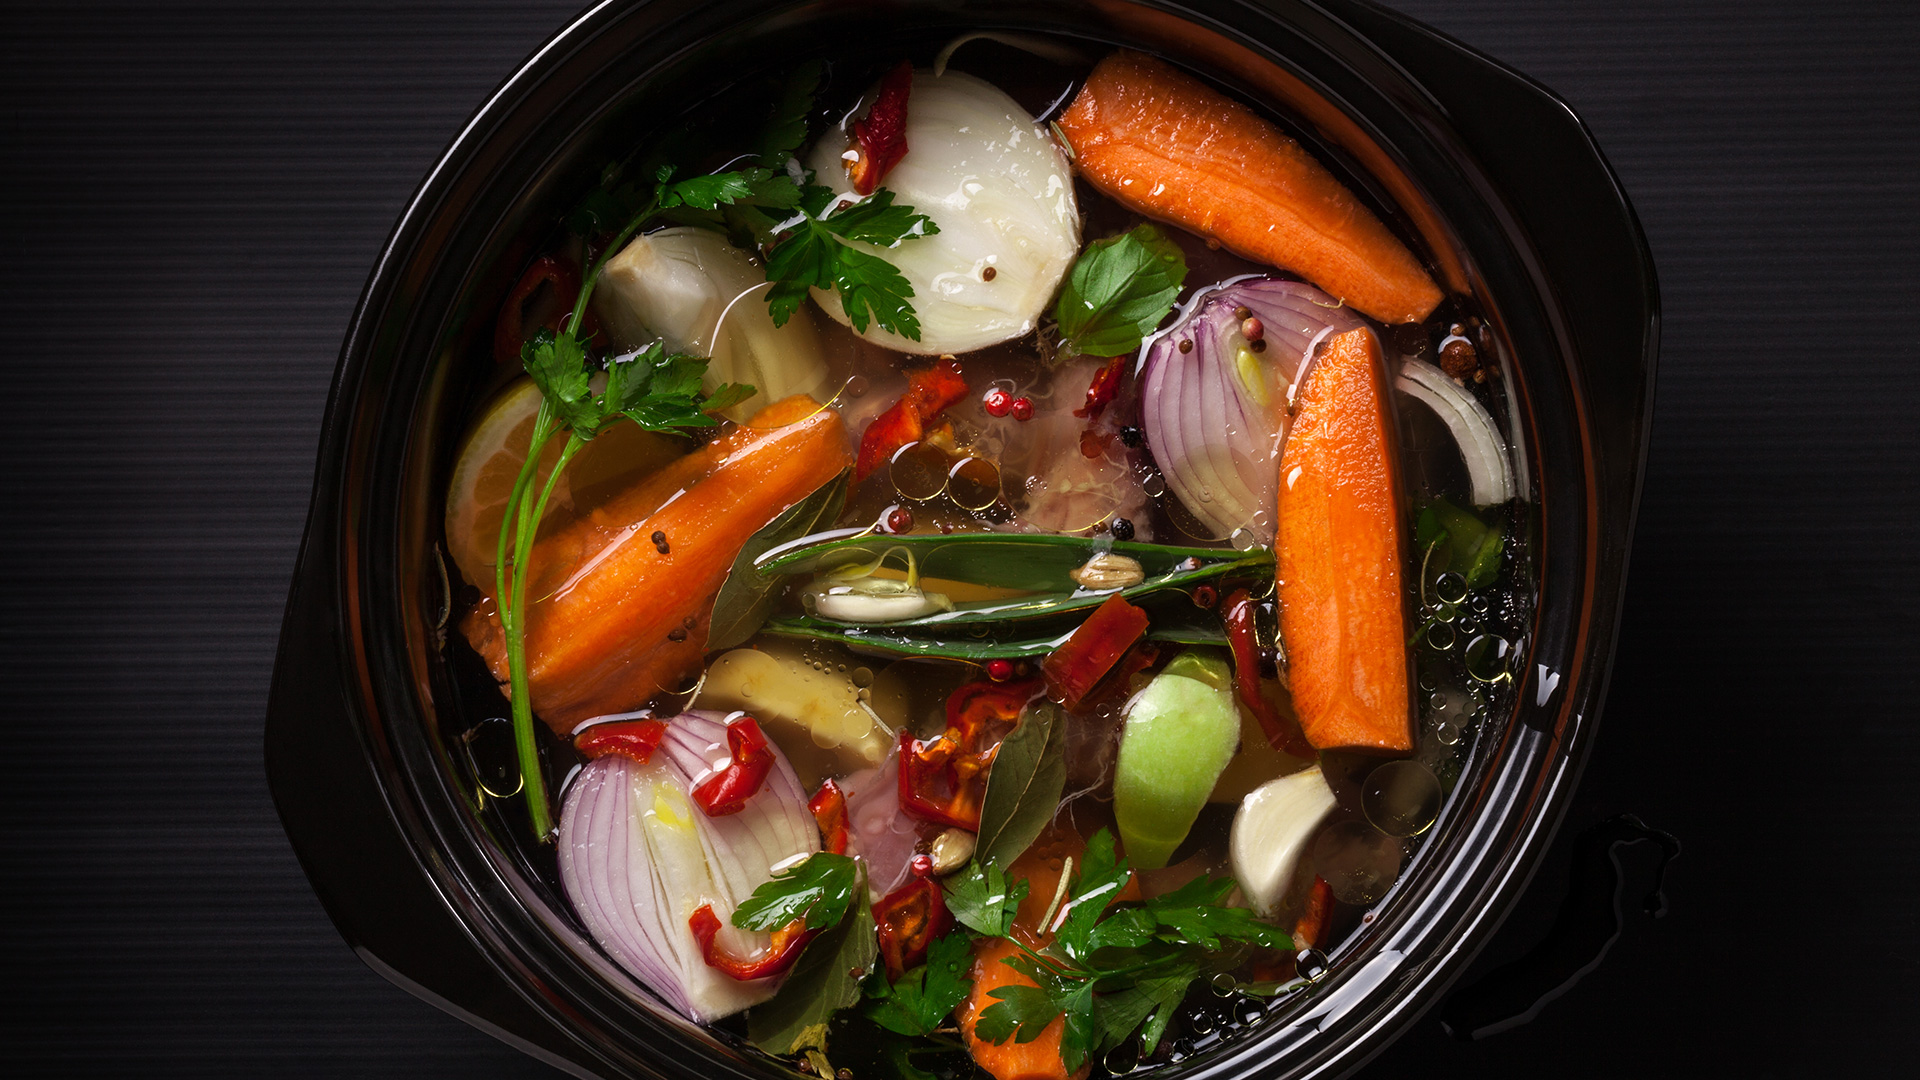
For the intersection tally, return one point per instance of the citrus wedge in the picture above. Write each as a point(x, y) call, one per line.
point(490, 460)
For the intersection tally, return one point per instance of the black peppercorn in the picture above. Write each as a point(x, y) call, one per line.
point(660, 541)
point(1121, 528)
point(1131, 436)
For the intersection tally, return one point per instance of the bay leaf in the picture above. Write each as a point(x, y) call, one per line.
point(1023, 787)
point(746, 597)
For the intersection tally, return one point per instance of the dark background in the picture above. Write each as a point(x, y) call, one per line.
point(193, 196)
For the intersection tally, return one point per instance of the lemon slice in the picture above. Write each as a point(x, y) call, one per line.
point(493, 453)
point(490, 460)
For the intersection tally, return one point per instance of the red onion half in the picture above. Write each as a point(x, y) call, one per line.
point(637, 857)
point(1214, 414)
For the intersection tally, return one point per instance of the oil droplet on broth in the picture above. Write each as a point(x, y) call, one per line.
point(1359, 861)
point(919, 471)
point(862, 677)
point(1401, 798)
point(973, 483)
point(1440, 636)
point(1451, 588)
point(1487, 657)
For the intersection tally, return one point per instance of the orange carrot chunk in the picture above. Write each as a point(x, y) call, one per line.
point(624, 595)
point(1010, 1060)
point(1167, 146)
point(1340, 555)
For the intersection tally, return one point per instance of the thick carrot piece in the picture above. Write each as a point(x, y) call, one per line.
point(1171, 148)
point(626, 593)
point(1010, 1060)
point(1340, 555)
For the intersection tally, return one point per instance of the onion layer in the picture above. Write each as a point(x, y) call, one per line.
point(1213, 400)
point(637, 858)
point(1481, 445)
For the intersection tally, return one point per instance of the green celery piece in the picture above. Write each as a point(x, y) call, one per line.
point(1180, 732)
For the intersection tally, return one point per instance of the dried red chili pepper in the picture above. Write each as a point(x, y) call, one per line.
point(1311, 928)
point(635, 739)
point(727, 791)
point(1075, 668)
point(882, 133)
point(911, 918)
point(930, 392)
point(829, 809)
point(1283, 733)
point(778, 957)
point(512, 329)
point(1104, 388)
point(944, 779)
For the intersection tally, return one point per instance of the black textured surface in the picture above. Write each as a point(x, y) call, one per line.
point(192, 198)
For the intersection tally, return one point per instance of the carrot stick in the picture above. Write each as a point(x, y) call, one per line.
point(1340, 555)
point(617, 619)
point(1169, 147)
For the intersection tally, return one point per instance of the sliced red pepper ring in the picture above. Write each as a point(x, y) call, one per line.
point(882, 133)
point(829, 809)
point(520, 315)
point(1311, 928)
point(911, 918)
point(635, 739)
point(727, 791)
point(779, 956)
point(1242, 638)
point(944, 779)
point(930, 392)
point(1104, 388)
point(1075, 668)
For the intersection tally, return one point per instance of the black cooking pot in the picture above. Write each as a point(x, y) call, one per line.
point(1483, 164)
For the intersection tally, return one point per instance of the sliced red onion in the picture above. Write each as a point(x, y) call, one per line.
point(638, 857)
point(1481, 446)
point(1214, 414)
point(877, 831)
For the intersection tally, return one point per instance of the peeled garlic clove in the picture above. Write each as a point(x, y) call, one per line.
point(1001, 191)
point(951, 850)
point(1270, 834)
point(698, 294)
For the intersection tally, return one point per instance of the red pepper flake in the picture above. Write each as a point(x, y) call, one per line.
point(944, 779)
point(1104, 388)
point(727, 791)
point(829, 809)
point(1078, 665)
point(634, 739)
point(779, 956)
point(911, 918)
point(1283, 733)
point(930, 392)
point(882, 133)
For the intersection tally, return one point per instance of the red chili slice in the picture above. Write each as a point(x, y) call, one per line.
point(527, 309)
point(1104, 388)
point(1075, 668)
point(727, 791)
point(944, 779)
point(1311, 928)
point(1282, 733)
point(779, 956)
point(635, 739)
point(930, 392)
point(829, 809)
point(911, 918)
point(882, 133)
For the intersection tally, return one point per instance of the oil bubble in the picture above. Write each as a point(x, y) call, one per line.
point(1121, 1059)
point(1201, 1022)
point(1450, 587)
point(1249, 1012)
point(1359, 861)
point(1487, 657)
point(1447, 734)
point(1440, 636)
point(1310, 964)
point(919, 471)
point(1224, 984)
point(973, 483)
point(862, 677)
point(1401, 798)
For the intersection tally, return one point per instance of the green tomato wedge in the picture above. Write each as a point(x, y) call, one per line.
point(1180, 733)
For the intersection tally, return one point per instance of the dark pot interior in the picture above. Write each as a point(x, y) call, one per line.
point(1495, 174)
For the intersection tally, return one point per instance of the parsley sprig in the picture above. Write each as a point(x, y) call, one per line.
point(817, 252)
point(652, 388)
point(919, 1002)
point(1111, 970)
point(818, 890)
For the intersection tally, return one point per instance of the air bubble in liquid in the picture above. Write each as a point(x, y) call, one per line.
point(1487, 657)
point(1401, 798)
point(1451, 588)
point(1310, 964)
point(1359, 861)
point(1249, 1012)
point(1440, 636)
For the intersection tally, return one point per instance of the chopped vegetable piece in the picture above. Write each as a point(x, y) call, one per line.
point(727, 791)
point(829, 809)
point(944, 779)
point(882, 133)
point(635, 740)
point(930, 392)
point(1104, 388)
point(911, 918)
point(1036, 1059)
point(1310, 930)
point(1271, 831)
point(1075, 668)
point(1340, 556)
point(1180, 733)
point(1170, 147)
point(605, 641)
point(778, 957)
point(543, 297)
point(1283, 732)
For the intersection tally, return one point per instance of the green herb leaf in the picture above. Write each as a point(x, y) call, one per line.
point(1096, 881)
point(818, 890)
point(923, 998)
point(1023, 787)
point(557, 364)
point(1020, 1013)
point(982, 900)
point(712, 191)
point(746, 597)
point(825, 980)
point(788, 127)
point(1118, 292)
point(819, 255)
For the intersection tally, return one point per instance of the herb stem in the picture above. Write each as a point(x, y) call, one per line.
point(600, 263)
point(512, 606)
